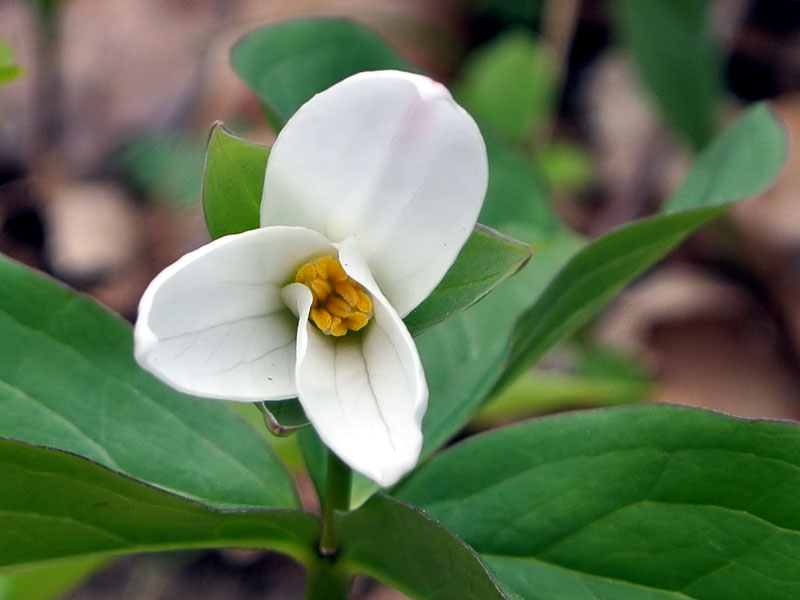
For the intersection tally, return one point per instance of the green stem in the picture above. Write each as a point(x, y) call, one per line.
point(323, 580)
point(337, 497)
point(324, 583)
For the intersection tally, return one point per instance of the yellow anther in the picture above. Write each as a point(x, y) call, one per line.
point(336, 272)
point(347, 291)
point(340, 304)
point(306, 273)
point(338, 327)
point(364, 303)
point(338, 307)
point(321, 318)
point(321, 288)
point(357, 320)
point(320, 266)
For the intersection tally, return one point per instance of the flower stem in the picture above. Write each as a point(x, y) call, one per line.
point(327, 584)
point(337, 497)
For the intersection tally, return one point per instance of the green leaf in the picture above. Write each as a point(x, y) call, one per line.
point(49, 582)
point(741, 162)
point(673, 46)
point(286, 447)
point(400, 546)
point(56, 505)
point(68, 380)
point(486, 260)
point(232, 182)
point(510, 83)
point(287, 63)
point(637, 502)
point(603, 267)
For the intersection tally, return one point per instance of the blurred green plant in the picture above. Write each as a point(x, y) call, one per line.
point(673, 46)
point(166, 166)
point(9, 69)
point(566, 165)
point(516, 11)
point(510, 83)
point(591, 378)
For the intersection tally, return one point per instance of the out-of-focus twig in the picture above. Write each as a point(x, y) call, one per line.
point(48, 91)
point(559, 21)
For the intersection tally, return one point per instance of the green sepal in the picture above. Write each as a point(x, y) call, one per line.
point(233, 179)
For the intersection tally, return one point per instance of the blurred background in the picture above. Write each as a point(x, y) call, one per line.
point(102, 143)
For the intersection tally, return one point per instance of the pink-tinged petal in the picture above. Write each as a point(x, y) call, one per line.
point(388, 159)
point(364, 393)
point(213, 324)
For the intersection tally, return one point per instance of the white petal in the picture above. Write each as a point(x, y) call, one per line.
point(364, 393)
point(213, 324)
point(390, 159)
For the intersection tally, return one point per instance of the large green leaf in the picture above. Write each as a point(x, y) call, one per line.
point(287, 63)
point(672, 44)
point(232, 182)
point(57, 505)
point(398, 545)
point(640, 502)
point(745, 159)
point(68, 380)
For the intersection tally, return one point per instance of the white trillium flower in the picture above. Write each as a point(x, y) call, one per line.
point(371, 190)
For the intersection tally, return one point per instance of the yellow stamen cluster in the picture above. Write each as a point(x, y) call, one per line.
point(340, 305)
